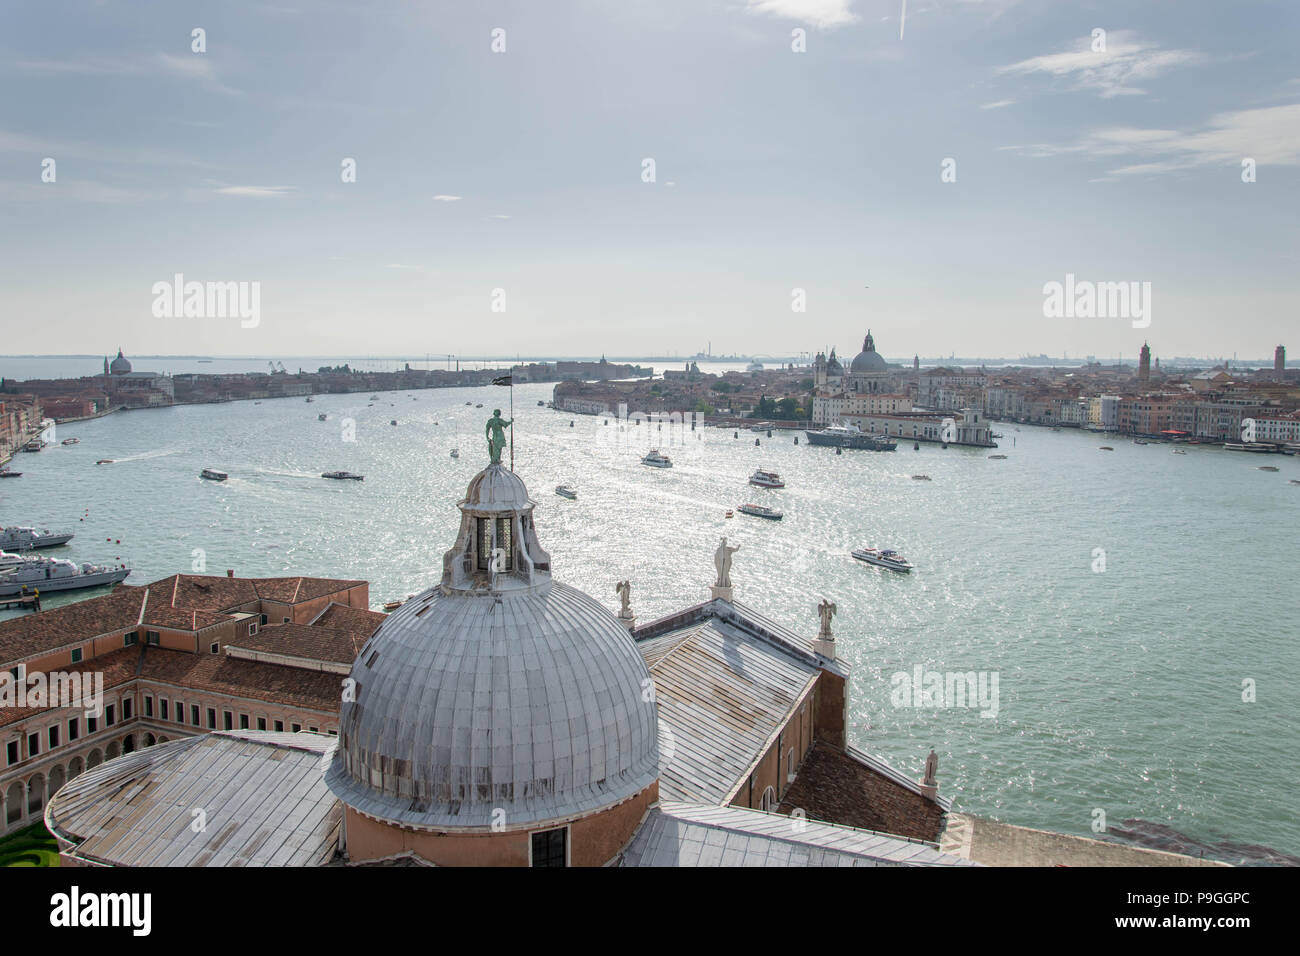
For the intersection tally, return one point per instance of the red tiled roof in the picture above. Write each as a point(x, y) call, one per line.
point(361, 622)
point(36, 633)
point(315, 643)
point(217, 673)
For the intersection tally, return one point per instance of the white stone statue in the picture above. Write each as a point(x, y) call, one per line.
point(722, 561)
point(931, 768)
point(624, 590)
point(826, 610)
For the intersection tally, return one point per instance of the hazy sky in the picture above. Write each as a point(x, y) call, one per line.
point(522, 170)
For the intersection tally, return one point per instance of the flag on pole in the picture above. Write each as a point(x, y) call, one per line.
point(503, 380)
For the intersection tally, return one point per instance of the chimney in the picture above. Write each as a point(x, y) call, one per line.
point(230, 572)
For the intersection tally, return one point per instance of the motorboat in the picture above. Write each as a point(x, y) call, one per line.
point(104, 461)
point(309, 399)
point(566, 491)
point(921, 478)
point(1268, 467)
point(656, 460)
point(885, 558)
point(71, 441)
point(1104, 448)
point(25, 539)
point(7, 472)
point(759, 511)
point(996, 457)
point(57, 574)
point(766, 479)
point(1179, 451)
point(8, 560)
point(343, 476)
point(732, 514)
point(540, 404)
point(1140, 441)
point(213, 475)
point(479, 405)
point(321, 417)
point(455, 453)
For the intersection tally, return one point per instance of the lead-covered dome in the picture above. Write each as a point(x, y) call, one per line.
point(119, 365)
point(496, 690)
point(869, 360)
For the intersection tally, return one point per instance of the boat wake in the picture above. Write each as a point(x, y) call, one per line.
point(1160, 836)
point(147, 455)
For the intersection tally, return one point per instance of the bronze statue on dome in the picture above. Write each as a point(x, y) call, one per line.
point(496, 435)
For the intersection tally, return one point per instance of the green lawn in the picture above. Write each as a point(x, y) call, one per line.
point(31, 847)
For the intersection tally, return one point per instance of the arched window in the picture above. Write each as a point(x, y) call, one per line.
point(768, 803)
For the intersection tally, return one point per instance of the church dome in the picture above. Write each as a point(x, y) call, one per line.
point(833, 367)
point(119, 365)
point(869, 360)
point(496, 691)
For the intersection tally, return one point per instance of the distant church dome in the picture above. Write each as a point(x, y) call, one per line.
point(869, 360)
point(833, 367)
point(496, 690)
point(119, 365)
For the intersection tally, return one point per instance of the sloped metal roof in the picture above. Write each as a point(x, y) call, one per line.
point(262, 796)
point(722, 695)
point(676, 834)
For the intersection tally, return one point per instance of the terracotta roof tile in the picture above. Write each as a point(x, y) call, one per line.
point(220, 674)
point(70, 624)
point(315, 643)
point(118, 667)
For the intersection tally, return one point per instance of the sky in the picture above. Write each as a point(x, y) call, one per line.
point(502, 202)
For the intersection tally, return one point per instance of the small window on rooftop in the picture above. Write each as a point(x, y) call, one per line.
point(130, 640)
point(76, 655)
point(215, 648)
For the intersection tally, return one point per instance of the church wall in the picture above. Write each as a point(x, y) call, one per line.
point(593, 840)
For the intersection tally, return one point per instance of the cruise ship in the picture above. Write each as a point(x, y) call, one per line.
point(57, 574)
point(851, 436)
point(23, 539)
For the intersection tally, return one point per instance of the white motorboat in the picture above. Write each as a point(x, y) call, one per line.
point(57, 574)
point(566, 491)
point(24, 539)
point(213, 475)
point(655, 460)
point(321, 417)
point(760, 511)
point(766, 479)
point(71, 441)
point(455, 453)
point(885, 558)
point(8, 560)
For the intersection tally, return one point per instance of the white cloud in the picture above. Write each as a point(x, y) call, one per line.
point(996, 106)
point(194, 66)
point(441, 197)
point(825, 14)
point(256, 192)
point(498, 216)
point(1126, 60)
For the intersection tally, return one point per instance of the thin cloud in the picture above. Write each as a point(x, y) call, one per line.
point(1116, 71)
point(195, 66)
point(441, 197)
point(997, 105)
point(823, 14)
point(257, 192)
point(1270, 136)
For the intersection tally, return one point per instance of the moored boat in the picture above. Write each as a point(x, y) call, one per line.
point(57, 574)
point(760, 511)
point(851, 436)
point(885, 558)
point(24, 539)
point(8, 472)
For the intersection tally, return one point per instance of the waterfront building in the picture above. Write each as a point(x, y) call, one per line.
point(186, 655)
point(501, 717)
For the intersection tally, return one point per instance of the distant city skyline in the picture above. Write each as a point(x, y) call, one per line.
point(516, 179)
